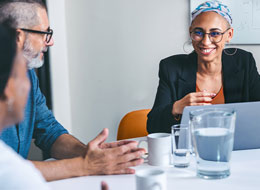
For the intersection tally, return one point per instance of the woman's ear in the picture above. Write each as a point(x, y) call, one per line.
point(20, 38)
point(230, 34)
point(190, 29)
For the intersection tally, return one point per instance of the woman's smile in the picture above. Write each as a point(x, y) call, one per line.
point(207, 51)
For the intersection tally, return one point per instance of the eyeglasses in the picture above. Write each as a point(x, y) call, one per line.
point(214, 37)
point(48, 33)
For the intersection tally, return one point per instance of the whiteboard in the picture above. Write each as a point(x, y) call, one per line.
point(246, 19)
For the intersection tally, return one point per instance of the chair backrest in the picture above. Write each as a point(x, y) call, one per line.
point(133, 125)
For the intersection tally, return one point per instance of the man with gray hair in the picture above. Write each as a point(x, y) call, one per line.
point(74, 158)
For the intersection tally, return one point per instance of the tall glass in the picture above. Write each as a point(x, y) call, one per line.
point(213, 136)
point(181, 145)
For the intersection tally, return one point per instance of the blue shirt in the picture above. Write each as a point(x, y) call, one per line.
point(39, 123)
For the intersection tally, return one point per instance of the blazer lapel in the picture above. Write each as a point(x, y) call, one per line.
point(232, 79)
point(187, 80)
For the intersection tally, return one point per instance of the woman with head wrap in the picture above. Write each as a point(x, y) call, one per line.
point(209, 75)
point(15, 172)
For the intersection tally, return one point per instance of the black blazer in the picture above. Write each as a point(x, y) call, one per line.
point(177, 74)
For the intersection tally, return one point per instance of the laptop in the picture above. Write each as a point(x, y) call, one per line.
point(247, 128)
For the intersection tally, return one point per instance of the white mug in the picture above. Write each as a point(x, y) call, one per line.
point(159, 149)
point(150, 179)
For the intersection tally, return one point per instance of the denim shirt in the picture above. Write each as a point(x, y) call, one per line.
point(39, 123)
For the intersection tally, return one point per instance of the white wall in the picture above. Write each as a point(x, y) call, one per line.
point(113, 51)
point(59, 64)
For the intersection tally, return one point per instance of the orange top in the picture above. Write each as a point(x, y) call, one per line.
point(219, 98)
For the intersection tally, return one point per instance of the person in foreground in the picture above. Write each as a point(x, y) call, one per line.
point(16, 173)
point(74, 158)
point(209, 75)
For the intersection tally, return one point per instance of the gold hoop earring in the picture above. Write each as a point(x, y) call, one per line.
point(184, 47)
point(230, 54)
point(226, 51)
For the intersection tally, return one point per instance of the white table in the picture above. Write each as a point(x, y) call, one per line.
point(245, 175)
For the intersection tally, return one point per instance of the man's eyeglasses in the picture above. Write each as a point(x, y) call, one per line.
point(48, 33)
point(214, 37)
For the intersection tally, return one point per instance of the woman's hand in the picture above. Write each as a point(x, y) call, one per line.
point(192, 99)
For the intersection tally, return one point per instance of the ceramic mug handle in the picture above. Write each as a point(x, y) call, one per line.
point(145, 156)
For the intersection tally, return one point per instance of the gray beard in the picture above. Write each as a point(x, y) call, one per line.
point(34, 63)
point(33, 58)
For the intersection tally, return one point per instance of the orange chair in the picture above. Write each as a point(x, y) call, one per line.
point(133, 125)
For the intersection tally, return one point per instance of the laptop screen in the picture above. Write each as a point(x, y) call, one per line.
point(247, 128)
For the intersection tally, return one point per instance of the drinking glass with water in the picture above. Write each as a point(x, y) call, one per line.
point(181, 145)
point(213, 136)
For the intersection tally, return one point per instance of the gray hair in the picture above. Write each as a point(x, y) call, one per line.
point(23, 14)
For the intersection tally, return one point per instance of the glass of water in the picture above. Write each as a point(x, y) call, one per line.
point(213, 136)
point(181, 145)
